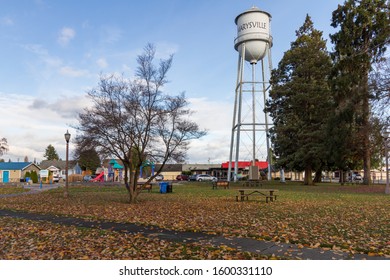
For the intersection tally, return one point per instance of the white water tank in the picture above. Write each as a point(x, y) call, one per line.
point(253, 30)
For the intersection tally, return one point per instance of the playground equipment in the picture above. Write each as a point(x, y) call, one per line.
point(144, 164)
point(99, 178)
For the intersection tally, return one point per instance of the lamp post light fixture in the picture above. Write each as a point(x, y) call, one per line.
point(387, 136)
point(67, 138)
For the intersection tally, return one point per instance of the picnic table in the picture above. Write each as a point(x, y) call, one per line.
point(269, 194)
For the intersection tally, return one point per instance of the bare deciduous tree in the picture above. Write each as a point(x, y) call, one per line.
point(3, 146)
point(135, 121)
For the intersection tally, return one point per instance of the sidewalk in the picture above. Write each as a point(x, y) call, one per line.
point(242, 244)
point(34, 189)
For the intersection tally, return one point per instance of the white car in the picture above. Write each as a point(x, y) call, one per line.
point(158, 177)
point(357, 178)
point(206, 177)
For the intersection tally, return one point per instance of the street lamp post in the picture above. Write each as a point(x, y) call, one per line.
point(386, 136)
point(67, 138)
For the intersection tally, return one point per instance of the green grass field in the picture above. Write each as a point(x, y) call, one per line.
point(355, 219)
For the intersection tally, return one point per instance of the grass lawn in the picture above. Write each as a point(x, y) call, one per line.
point(355, 219)
point(10, 190)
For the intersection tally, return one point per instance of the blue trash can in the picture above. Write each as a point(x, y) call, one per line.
point(163, 187)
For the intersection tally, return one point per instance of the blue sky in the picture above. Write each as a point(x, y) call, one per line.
point(52, 52)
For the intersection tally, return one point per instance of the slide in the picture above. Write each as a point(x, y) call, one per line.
point(99, 178)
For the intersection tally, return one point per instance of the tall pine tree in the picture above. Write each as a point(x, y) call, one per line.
point(362, 37)
point(299, 103)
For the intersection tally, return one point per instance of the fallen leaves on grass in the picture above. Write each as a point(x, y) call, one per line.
point(352, 223)
point(12, 190)
point(24, 239)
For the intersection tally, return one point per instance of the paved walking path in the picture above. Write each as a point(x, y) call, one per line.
point(33, 189)
point(243, 244)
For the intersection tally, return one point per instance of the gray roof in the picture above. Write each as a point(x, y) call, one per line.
point(60, 164)
point(170, 167)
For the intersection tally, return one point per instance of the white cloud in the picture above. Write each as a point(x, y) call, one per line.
point(65, 36)
point(215, 117)
point(43, 65)
point(71, 72)
point(52, 64)
point(6, 21)
point(31, 124)
point(111, 34)
point(36, 49)
point(165, 49)
point(102, 63)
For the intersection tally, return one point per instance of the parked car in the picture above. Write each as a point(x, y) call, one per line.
point(182, 177)
point(158, 177)
point(192, 177)
point(87, 178)
point(206, 177)
point(56, 178)
point(356, 178)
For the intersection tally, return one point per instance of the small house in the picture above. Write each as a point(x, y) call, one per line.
point(13, 172)
point(58, 167)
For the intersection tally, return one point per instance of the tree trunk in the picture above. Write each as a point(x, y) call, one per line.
point(366, 143)
point(317, 178)
point(343, 177)
point(130, 184)
point(133, 188)
point(366, 128)
point(133, 191)
point(308, 177)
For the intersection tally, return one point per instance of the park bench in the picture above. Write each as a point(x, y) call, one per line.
point(224, 184)
point(269, 194)
point(143, 186)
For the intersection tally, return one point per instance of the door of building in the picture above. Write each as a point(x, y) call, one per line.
point(5, 176)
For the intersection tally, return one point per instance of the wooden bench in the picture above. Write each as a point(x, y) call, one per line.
point(143, 186)
point(269, 194)
point(224, 184)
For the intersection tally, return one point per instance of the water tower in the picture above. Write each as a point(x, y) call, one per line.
point(250, 122)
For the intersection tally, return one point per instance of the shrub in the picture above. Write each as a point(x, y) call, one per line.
point(27, 175)
point(34, 176)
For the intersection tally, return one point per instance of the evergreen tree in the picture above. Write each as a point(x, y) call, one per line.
point(88, 159)
point(34, 176)
point(51, 153)
point(300, 102)
point(364, 32)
